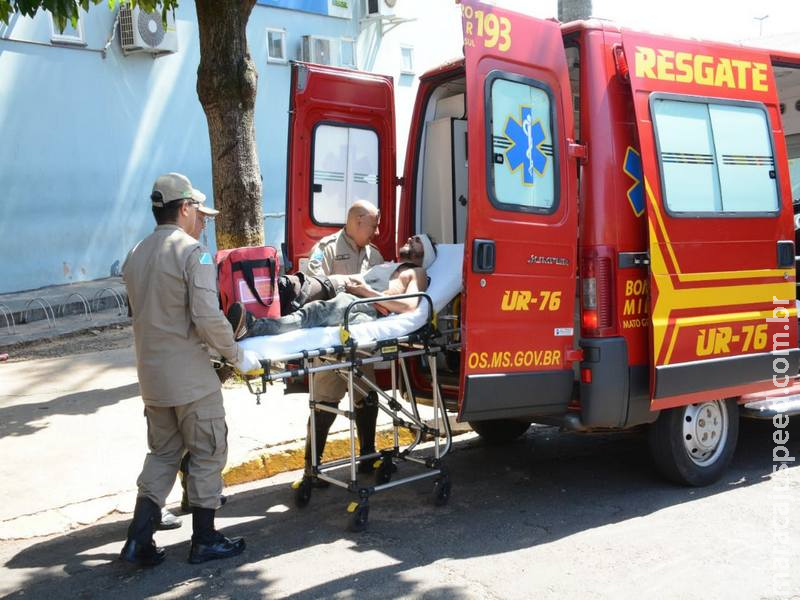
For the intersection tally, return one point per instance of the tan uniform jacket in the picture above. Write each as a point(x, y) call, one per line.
point(172, 290)
point(337, 254)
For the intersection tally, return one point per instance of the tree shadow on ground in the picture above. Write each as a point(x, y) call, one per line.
point(21, 419)
point(541, 489)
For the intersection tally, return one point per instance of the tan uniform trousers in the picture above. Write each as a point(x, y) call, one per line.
point(329, 387)
point(198, 427)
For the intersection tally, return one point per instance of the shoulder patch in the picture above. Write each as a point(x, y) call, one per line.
point(205, 259)
point(317, 255)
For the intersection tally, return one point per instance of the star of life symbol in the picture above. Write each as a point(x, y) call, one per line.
point(527, 138)
point(632, 166)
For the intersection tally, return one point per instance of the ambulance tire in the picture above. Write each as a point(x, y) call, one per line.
point(499, 431)
point(693, 445)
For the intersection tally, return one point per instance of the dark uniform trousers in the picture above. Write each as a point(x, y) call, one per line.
point(198, 427)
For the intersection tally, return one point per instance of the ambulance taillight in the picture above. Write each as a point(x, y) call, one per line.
point(597, 315)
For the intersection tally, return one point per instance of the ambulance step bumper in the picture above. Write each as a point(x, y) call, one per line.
point(766, 409)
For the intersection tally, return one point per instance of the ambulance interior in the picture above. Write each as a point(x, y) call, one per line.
point(441, 198)
point(441, 185)
point(788, 81)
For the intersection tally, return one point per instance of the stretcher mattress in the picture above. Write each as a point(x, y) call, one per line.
point(445, 284)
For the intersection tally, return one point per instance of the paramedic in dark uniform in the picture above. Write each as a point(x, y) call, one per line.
point(172, 291)
point(346, 252)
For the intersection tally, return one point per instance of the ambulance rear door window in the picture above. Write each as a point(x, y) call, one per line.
point(345, 161)
point(522, 171)
point(715, 157)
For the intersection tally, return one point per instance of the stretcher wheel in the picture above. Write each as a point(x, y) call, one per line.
point(441, 491)
point(359, 517)
point(384, 472)
point(302, 492)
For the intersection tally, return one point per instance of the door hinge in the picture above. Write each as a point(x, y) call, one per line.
point(578, 151)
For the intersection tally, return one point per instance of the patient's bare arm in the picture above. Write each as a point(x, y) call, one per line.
point(408, 281)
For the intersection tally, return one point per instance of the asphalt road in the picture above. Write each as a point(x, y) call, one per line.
point(550, 516)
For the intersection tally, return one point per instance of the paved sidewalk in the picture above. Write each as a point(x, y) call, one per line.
point(73, 437)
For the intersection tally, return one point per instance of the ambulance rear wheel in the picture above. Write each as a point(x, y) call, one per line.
point(499, 431)
point(694, 444)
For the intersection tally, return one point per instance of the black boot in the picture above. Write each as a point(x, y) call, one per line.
point(140, 549)
point(322, 425)
point(207, 542)
point(366, 421)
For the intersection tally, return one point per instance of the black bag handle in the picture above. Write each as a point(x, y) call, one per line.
point(247, 266)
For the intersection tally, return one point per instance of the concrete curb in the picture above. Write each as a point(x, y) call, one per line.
point(290, 457)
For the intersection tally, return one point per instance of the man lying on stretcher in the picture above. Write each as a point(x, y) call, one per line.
point(407, 276)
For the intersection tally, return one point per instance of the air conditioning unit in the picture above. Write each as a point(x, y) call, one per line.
point(379, 8)
point(141, 31)
point(320, 50)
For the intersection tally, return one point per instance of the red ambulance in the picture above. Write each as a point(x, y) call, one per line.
point(625, 205)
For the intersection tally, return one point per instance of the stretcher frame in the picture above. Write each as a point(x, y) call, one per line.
point(346, 359)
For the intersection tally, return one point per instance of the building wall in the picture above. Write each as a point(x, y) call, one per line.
point(85, 136)
point(433, 33)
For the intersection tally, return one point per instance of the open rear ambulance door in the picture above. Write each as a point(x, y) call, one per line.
point(521, 234)
point(720, 218)
point(341, 149)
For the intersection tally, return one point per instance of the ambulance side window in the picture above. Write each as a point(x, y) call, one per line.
point(345, 169)
point(715, 157)
point(522, 174)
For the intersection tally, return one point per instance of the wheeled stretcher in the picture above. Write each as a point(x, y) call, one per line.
point(418, 335)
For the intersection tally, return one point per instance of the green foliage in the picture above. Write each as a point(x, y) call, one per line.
point(67, 10)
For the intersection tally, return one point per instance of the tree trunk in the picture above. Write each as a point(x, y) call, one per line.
point(226, 86)
point(574, 10)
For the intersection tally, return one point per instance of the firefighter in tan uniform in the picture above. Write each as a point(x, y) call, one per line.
point(346, 252)
point(172, 291)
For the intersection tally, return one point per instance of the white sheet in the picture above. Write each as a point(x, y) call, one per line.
point(445, 275)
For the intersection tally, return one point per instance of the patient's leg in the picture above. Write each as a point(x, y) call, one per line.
point(320, 313)
point(325, 313)
point(257, 327)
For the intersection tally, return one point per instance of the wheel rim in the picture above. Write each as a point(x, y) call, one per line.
point(705, 430)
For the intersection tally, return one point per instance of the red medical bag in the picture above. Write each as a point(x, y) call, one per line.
point(250, 276)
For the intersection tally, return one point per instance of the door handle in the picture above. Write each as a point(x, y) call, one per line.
point(785, 254)
point(483, 256)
